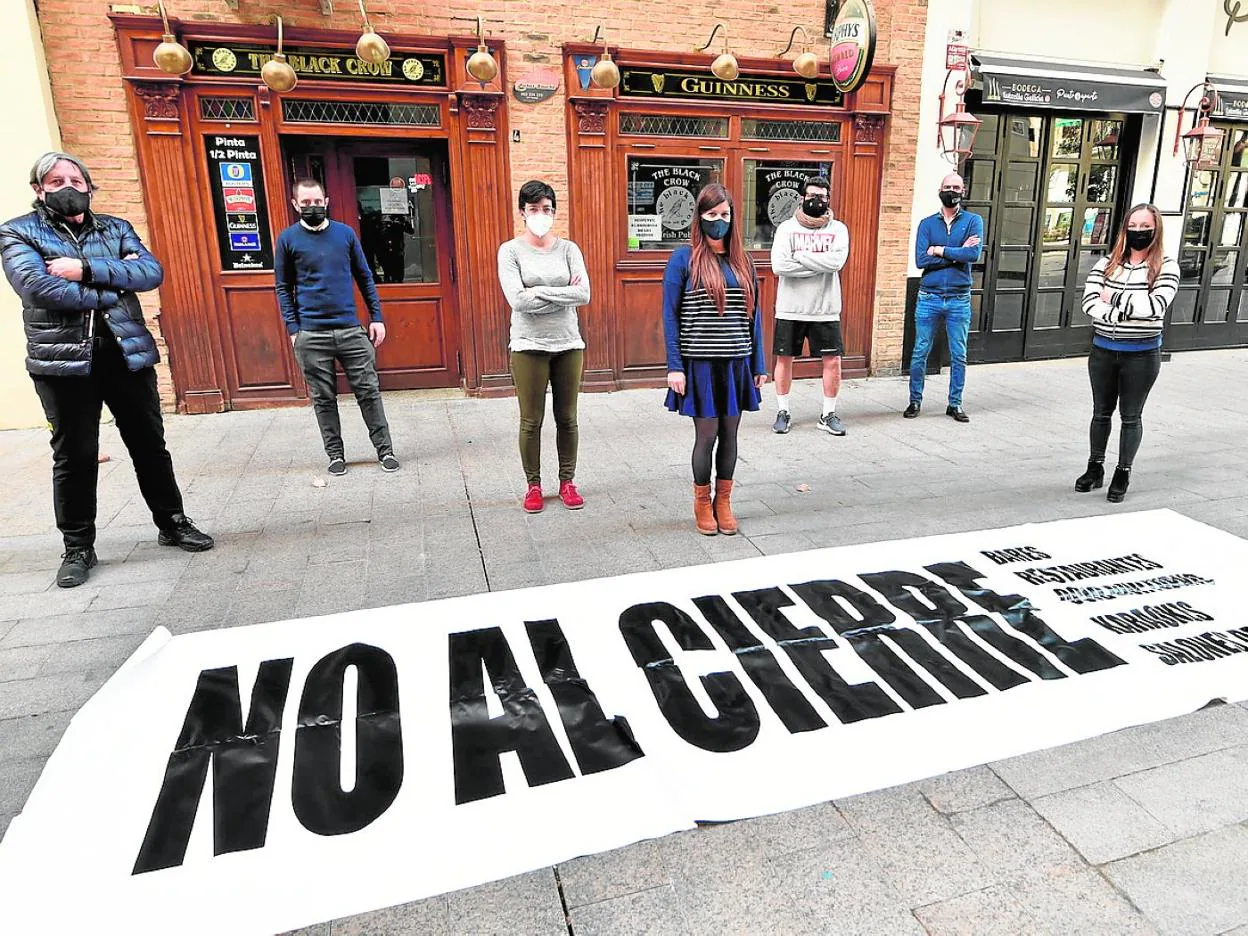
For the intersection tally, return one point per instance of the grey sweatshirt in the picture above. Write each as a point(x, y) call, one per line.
point(808, 264)
point(543, 304)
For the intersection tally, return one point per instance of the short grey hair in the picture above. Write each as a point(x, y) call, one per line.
point(45, 164)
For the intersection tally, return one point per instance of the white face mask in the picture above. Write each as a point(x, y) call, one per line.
point(539, 224)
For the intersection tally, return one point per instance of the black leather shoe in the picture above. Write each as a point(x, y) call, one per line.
point(183, 534)
point(1118, 487)
point(76, 567)
point(1091, 479)
point(957, 413)
point(912, 410)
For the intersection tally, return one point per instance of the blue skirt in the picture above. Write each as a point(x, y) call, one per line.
point(716, 387)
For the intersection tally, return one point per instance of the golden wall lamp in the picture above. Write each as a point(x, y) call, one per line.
point(806, 64)
point(725, 66)
point(605, 74)
point(371, 47)
point(171, 56)
point(277, 73)
point(481, 64)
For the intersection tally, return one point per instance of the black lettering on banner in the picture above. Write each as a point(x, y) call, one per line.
point(805, 647)
point(1083, 656)
point(244, 767)
point(316, 793)
point(942, 620)
point(866, 636)
point(735, 727)
point(785, 699)
point(599, 743)
point(1016, 554)
point(478, 739)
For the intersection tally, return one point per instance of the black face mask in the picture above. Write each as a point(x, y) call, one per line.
point(814, 207)
point(67, 202)
point(717, 229)
point(950, 199)
point(313, 215)
point(1140, 240)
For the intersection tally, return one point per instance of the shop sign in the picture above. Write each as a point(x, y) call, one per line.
point(700, 85)
point(853, 44)
point(585, 69)
point(239, 210)
point(238, 60)
point(538, 85)
point(956, 57)
point(1232, 106)
point(1071, 94)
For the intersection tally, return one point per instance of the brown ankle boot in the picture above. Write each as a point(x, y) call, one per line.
point(723, 508)
point(702, 511)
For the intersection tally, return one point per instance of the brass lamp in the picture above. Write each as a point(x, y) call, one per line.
point(806, 64)
point(481, 64)
point(171, 56)
point(605, 74)
point(371, 47)
point(725, 66)
point(277, 73)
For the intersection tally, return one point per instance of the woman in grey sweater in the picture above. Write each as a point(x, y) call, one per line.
point(544, 280)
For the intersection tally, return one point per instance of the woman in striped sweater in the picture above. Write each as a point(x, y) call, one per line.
point(715, 366)
point(1126, 296)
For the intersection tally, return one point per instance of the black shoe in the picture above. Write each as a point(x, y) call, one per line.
point(337, 466)
point(183, 534)
point(1118, 487)
point(912, 410)
point(76, 567)
point(1091, 479)
point(831, 424)
point(957, 413)
point(389, 462)
point(781, 425)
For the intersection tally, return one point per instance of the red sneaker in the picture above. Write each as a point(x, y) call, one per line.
point(533, 499)
point(570, 497)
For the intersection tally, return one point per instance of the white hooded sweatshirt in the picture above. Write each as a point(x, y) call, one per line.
point(808, 262)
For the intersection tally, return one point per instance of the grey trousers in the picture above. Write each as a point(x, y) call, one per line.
point(317, 351)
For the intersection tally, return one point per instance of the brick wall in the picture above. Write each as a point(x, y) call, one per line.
point(88, 92)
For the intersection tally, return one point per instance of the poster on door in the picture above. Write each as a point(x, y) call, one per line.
point(668, 192)
point(236, 179)
point(778, 194)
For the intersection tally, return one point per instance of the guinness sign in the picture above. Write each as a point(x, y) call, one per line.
point(702, 86)
point(421, 70)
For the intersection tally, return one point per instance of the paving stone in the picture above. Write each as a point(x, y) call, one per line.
point(23, 662)
point(1196, 795)
point(25, 583)
point(1009, 838)
point(17, 779)
point(32, 736)
point(50, 603)
point(131, 595)
point(769, 836)
point(655, 912)
point(612, 874)
point(46, 694)
point(422, 918)
point(993, 911)
point(732, 893)
point(1102, 822)
point(965, 789)
point(1194, 887)
point(528, 903)
point(68, 627)
point(102, 655)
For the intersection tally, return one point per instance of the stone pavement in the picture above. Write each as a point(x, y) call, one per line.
point(1142, 831)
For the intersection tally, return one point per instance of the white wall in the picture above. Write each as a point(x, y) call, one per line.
point(1110, 31)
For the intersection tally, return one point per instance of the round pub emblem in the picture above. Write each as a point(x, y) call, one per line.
point(853, 44)
point(413, 69)
point(224, 59)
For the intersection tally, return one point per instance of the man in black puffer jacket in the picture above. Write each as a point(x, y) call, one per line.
point(87, 345)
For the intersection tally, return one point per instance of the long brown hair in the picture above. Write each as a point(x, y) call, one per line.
point(1156, 254)
point(704, 269)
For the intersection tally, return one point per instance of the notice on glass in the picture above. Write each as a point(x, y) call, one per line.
point(393, 201)
point(645, 227)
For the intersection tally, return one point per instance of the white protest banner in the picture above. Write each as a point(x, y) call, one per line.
point(264, 778)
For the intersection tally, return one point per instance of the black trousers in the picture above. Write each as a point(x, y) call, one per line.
point(317, 351)
point(72, 406)
point(1120, 380)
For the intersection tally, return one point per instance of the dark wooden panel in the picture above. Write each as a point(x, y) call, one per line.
point(260, 353)
point(641, 320)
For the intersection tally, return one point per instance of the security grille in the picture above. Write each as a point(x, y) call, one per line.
point(792, 131)
point(361, 112)
point(662, 125)
point(227, 108)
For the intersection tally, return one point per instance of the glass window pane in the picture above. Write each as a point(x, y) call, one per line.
point(978, 177)
point(1007, 312)
point(1217, 305)
point(977, 312)
point(1087, 260)
point(1183, 311)
point(1067, 137)
point(1023, 136)
point(1239, 147)
point(1236, 190)
point(1105, 138)
point(1020, 182)
point(1242, 314)
point(662, 195)
point(1224, 267)
point(1101, 183)
point(773, 191)
point(1048, 309)
point(1016, 225)
point(1191, 267)
point(986, 140)
point(1012, 269)
point(1053, 268)
point(1096, 228)
point(1203, 185)
point(1232, 228)
point(1063, 182)
point(1196, 228)
point(1057, 223)
point(394, 196)
point(791, 131)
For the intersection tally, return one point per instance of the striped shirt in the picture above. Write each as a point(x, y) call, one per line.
point(693, 327)
point(1135, 314)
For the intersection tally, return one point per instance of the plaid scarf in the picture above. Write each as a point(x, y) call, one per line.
point(807, 221)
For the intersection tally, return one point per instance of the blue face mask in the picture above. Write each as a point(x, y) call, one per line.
point(717, 229)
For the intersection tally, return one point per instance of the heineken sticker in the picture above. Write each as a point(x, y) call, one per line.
point(853, 44)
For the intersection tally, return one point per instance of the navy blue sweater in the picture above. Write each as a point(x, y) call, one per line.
point(949, 275)
point(678, 292)
point(314, 271)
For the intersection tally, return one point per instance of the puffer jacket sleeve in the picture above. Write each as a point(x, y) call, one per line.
point(27, 273)
point(138, 275)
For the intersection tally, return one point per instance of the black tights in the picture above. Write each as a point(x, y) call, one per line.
point(706, 432)
point(1120, 380)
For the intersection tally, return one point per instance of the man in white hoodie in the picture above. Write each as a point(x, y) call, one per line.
point(807, 254)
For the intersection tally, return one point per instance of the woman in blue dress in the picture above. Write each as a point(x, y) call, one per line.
point(712, 327)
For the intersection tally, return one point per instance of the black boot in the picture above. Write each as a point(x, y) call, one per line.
point(79, 561)
point(1091, 479)
point(183, 534)
point(1118, 487)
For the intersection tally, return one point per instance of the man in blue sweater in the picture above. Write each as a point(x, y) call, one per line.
point(317, 260)
point(947, 244)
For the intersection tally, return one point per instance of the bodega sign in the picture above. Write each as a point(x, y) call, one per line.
point(260, 779)
point(853, 44)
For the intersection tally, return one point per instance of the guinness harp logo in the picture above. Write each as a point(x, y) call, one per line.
point(811, 91)
point(658, 81)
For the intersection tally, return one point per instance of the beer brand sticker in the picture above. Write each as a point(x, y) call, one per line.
point(585, 69)
point(244, 241)
point(239, 199)
point(853, 44)
point(239, 173)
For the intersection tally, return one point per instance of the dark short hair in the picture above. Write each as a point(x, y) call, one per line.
point(306, 182)
point(816, 182)
point(531, 193)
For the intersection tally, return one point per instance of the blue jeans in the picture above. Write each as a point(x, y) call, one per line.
point(956, 313)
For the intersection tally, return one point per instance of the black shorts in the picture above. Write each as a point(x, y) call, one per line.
point(791, 334)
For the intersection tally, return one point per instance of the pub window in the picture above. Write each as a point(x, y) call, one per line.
point(227, 108)
point(791, 131)
point(662, 198)
point(773, 191)
point(715, 128)
point(362, 112)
